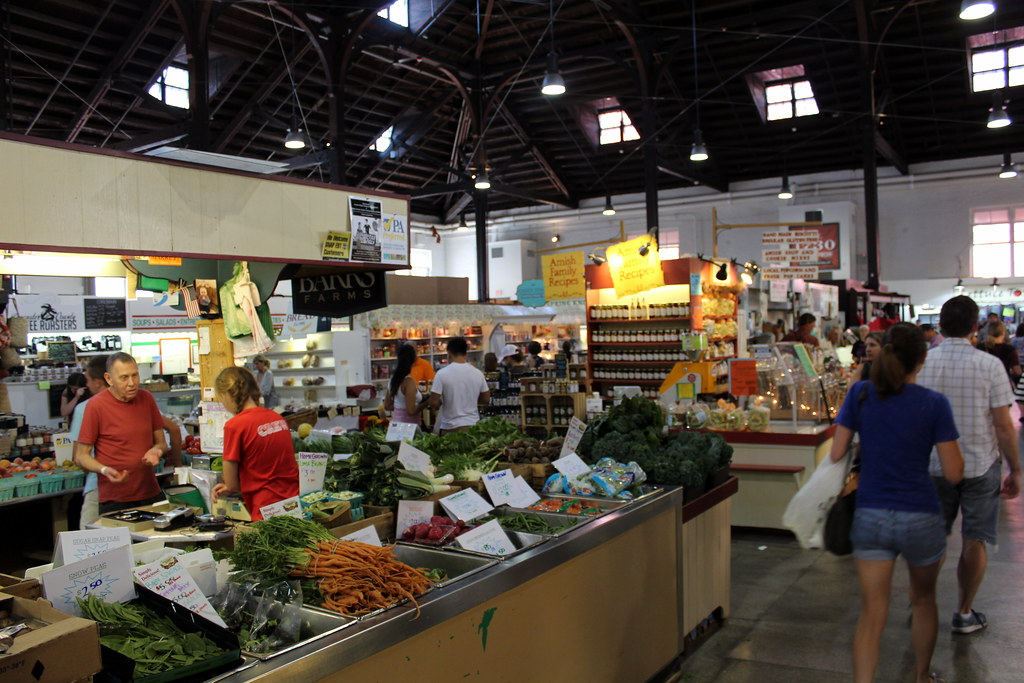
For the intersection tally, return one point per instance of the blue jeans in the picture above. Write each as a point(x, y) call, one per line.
point(880, 535)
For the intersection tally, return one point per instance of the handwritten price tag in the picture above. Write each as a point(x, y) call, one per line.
point(573, 436)
point(401, 431)
point(413, 459)
point(413, 512)
point(368, 535)
point(312, 469)
point(108, 576)
point(288, 506)
point(171, 579)
point(78, 545)
point(487, 538)
point(522, 495)
point(466, 505)
point(571, 466)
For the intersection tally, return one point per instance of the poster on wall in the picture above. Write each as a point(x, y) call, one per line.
point(827, 245)
point(563, 276)
point(632, 271)
point(395, 248)
point(337, 246)
point(48, 313)
point(367, 229)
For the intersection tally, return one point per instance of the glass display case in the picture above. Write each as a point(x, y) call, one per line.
point(796, 384)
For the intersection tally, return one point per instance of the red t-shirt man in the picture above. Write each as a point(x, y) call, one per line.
point(120, 432)
point(261, 443)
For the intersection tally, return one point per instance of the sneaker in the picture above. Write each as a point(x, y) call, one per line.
point(975, 622)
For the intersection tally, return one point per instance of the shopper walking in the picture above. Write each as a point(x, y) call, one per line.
point(931, 335)
point(804, 326)
point(872, 347)
point(259, 460)
point(898, 510)
point(403, 398)
point(975, 386)
point(995, 343)
point(1017, 341)
point(534, 360)
point(266, 382)
point(457, 390)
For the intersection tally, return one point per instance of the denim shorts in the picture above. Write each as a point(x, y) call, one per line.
point(978, 498)
point(879, 534)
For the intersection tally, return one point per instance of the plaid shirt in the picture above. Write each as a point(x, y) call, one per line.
point(975, 383)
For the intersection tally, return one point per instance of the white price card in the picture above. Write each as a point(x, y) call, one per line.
point(342, 456)
point(413, 512)
point(78, 545)
point(500, 486)
point(523, 496)
point(401, 431)
point(108, 576)
point(466, 505)
point(572, 437)
point(312, 469)
point(171, 579)
point(571, 466)
point(413, 459)
point(367, 535)
point(288, 506)
point(487, 538)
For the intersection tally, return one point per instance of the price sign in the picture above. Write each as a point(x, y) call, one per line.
point(288, 506)
point(367, 535)
point(108, 576)
point(522, 495)
point(466, 505)
point(487, 538)
point(571, 466)
point(743, 377)
point(573, 436)
point(412, 512)
point(401, 431)
point(413, 458)
point(171, 579)
point(78, 545)
point(500, 486)
point(805, 359)
point(312, 469)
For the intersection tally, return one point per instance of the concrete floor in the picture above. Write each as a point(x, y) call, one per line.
point(794, 611)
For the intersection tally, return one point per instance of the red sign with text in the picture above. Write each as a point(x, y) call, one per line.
point(827, 245)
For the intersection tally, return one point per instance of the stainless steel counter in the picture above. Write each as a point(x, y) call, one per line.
point(333, 652)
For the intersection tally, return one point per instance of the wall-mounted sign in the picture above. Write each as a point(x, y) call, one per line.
point(563, 276)
point(531, 293)
point(633, 272)
point(789, 273)
point(337, 246)
point(826, 243)
point(338, 295)
point(367, 229)
point(395, 248)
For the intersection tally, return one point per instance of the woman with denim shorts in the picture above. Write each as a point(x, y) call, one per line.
point(898, 510)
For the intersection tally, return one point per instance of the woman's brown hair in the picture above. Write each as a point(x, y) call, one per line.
point(995, 329)
point(239, 384)
point(902, 349)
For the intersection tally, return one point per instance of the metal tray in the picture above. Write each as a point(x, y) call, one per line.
point(520, 539)
point(570, 522)
point(316, 622)
point(456, 566)
point(645, 490)
point(605, 504)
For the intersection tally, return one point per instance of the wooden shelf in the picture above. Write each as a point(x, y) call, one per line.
point(626, 381)
point(668, 363)
point(638, 320)
point(676, 344)
point(319, 368)
point(280, 354)
point(715, 340)
point(720, 317)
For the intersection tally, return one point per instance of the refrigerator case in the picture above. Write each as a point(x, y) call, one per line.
point(351, 358)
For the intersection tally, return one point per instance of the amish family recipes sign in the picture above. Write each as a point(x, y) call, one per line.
point(563, 276)
point(633, 272)
point(339, 294)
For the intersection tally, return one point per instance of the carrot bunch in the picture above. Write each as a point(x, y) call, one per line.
point(357, 578)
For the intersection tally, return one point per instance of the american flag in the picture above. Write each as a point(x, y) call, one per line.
point(188, 295)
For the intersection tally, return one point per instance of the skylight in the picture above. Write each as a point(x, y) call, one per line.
point(615, 127)
point(787, 99)
point(171, 87)
point(996, 59)
point(383, 143)
point(397, 13)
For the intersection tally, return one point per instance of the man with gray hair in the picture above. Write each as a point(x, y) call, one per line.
point(124, 428)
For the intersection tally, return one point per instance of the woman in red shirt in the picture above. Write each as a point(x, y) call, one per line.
point(259, 460)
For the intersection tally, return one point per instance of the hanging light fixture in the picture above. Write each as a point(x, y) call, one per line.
point(294, 139)
point(462, 223)
point(750, 269)
point(997, 116)
point(976, 9)
point(785, 192)
point(481, 181)
point(609, 208)
point(699, 151)
point(995, 284)
point(553, 84)
point(958, 288)
point(723, 271)
point(644, 249)
point(556, 238)
point(597, 259)
point(1008, 170)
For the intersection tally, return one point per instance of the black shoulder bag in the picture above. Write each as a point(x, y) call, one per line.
point(840, 518)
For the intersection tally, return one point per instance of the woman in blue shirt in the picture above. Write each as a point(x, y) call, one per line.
point(898, 510)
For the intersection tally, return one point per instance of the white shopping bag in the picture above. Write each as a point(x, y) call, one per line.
point(805, 515)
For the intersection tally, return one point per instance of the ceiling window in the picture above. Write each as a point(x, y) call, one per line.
point(998, 242)
point(420, 263)
point(383, 143)
point(996, 59)
point(397, 13)
point(782, 93)
point(171, 87)
point(615, 127)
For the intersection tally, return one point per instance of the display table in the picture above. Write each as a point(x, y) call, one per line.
point(771, 466)
point(605, 602)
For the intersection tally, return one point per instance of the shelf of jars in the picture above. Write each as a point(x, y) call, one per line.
point(429, 342)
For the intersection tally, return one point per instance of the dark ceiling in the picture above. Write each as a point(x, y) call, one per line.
point(462, 88)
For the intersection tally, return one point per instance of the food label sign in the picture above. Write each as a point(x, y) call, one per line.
point(312, 469)
point(108, 576)
point(171, 580)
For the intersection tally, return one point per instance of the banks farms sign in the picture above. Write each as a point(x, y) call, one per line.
point(338, 295)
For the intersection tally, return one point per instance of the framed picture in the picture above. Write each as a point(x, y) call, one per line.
point(206, 297)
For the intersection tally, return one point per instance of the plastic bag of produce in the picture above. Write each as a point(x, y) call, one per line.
point(614, 478)
point(554, 484)
point(266, 617)
point(580, 486)
point(805, 515)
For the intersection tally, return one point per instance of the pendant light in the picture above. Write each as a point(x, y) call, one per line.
point(481, 181)
point(553, 84)
point(976, 9)
point(723, 271)
point(699, 151)
point(1008, 170)
point(609, 208)
point(462, 223)
point(785, 192)
point(997, 116)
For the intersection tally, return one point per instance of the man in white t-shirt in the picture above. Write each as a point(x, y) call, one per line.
point(457, 390)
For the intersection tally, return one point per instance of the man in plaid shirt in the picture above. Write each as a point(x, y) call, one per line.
point(976, 385)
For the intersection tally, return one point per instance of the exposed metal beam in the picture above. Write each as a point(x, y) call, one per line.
point(456, 208)
point(512, 117)
point(890, 154)
point(152, 139)
point(512, 191)
point(154, 10)
point(695, 178)
point(443, 188)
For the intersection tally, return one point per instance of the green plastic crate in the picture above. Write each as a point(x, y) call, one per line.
point(51, 482)
point(26, 487)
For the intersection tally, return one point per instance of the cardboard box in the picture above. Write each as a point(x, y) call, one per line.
point(67, 649)
point(29, 589)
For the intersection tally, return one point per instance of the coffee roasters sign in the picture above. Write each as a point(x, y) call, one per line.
point(339, 294)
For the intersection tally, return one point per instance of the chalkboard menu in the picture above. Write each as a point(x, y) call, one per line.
point(61, 351)
point(105, 314)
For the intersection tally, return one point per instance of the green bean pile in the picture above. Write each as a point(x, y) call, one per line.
point(532, 524)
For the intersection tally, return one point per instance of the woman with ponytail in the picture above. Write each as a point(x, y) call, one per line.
point(898, 510)
point(403, 397)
